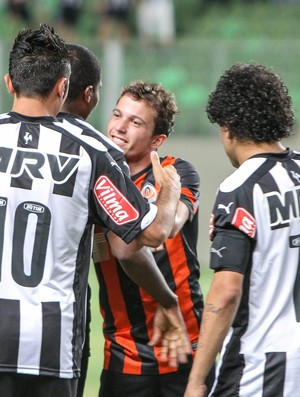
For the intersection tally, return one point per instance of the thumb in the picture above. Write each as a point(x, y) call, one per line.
point(156, 337)
point(154, 159)
point(158, 172)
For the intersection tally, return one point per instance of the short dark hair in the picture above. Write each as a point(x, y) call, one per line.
point(253, 103)
point(85, 70)
point(160, 99)
point(37, 60)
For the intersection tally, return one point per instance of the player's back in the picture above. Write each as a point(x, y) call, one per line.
point(262, 200)
point(44, 188)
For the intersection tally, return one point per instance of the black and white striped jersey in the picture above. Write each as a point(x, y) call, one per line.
point(255, 228)
point(87, 129)
point(53, 187)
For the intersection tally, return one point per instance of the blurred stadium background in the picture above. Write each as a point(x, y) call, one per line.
point(211, 35)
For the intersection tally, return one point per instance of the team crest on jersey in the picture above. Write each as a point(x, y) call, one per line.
point(114, 203)
point(244, 221)
point(149, 192)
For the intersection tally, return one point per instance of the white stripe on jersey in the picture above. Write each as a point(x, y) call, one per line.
point(66, 359)
point(75, 130)
point(31, 324)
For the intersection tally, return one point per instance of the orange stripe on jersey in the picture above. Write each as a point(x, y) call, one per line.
point(139, 181)
point(122, 323)
point(169, 160)
point(181, 272)
point(185, 191)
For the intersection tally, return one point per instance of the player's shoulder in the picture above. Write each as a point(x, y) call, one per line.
point(75, 132)
point(183, 167)
point(89, 130)
point(176, 162)
point(241, 175)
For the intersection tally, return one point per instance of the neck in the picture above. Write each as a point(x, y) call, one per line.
point(138, 166)
point(34, 107)
point(249, 149)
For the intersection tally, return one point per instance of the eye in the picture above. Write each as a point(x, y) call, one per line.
point(136, 122)
point(116, 114)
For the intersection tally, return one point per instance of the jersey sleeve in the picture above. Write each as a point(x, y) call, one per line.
point(232, 231)
point(117, 203)
point(190, 183)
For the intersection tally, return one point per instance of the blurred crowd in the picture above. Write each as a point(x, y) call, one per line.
point(153, 21)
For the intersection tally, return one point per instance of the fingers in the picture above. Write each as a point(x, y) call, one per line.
point(174, 349)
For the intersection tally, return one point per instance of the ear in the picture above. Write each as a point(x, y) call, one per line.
point(227, 134)
point(62, 87)
point(88, 93)
point(8, 84)
point(157, 141)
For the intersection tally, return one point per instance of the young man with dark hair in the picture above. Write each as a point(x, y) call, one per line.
point(253, 305)
point(55, 184)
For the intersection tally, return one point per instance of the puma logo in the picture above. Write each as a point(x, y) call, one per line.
point(225, 208)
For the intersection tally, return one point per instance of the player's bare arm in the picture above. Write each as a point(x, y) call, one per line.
point(219, 311)
point(139, 264)
point(169, 328)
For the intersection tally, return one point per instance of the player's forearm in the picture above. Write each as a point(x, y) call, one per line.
point(219, 311)
point(160, 229)
point(143, 270)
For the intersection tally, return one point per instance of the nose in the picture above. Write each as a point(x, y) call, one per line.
point(121, 125)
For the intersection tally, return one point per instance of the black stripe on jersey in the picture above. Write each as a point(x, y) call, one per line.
point(189, 235)
point(29, 135)
point(28, 138)
point(137, 318)
point(50, 354)
point(231, 371)
point(3, 208)
point(9, 333)
point(68, 146)
point(294, 243)
point(115, 364)
point(274, 374)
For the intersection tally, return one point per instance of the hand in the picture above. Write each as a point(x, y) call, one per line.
point(165, 175)
point(170, 330)
point(195, 390)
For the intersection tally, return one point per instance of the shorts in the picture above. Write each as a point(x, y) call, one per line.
point(116, 384)
point(20, 385)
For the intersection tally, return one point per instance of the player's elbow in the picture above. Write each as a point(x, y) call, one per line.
point(154, 237)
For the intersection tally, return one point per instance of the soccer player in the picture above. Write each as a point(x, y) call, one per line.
point(142, 120)
point(83, 96)
point(252, 308)
point(54, 186)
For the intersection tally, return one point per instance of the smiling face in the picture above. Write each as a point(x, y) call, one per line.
point(131, 127)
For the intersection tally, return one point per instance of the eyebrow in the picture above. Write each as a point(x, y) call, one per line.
point(132, 116)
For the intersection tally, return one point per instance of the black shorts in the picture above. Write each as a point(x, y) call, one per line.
point(19, 385)
point(115, 384)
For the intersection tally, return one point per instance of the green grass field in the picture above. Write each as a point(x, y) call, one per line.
point(96, 359)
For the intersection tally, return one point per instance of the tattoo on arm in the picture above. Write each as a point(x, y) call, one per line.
point(212, 309)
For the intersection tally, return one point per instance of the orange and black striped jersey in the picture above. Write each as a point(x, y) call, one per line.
point(127, 310)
